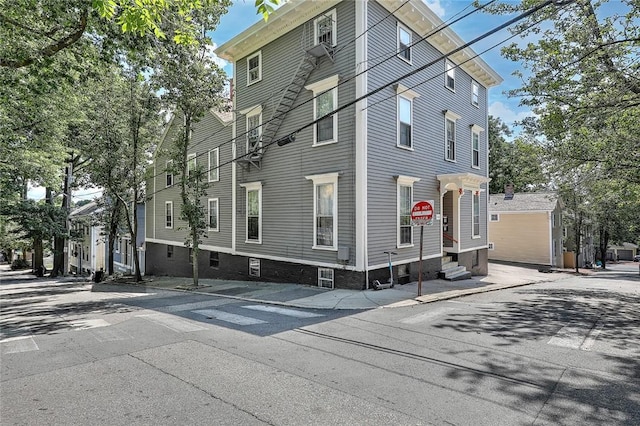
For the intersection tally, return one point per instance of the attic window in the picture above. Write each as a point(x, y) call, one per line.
point(254, 68)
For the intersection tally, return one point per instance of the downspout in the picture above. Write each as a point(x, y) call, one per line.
point(361, 219)
point(550, 238)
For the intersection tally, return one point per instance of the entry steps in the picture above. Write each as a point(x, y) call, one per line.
point(451, 271)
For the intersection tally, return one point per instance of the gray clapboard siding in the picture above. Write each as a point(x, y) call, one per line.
point(287, 209)
point(426, 160)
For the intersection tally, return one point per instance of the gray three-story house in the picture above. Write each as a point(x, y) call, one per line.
point(336, 132)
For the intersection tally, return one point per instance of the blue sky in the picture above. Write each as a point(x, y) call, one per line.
point(243, 14)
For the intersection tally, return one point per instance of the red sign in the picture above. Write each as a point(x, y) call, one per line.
point(422, 213)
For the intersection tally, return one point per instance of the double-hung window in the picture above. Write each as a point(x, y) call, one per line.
point(168, 213)
point(475, 146)
point(325, 211)
point(475, 94)
point(254, 68)
point(253, 129)
point(254, 211)
point(191, 164)
point(213, 214)
point(450, 119)
point(405, 116)
point(476, 214)
point(169, 173)
point(450, 76)
point(404, 43)
point(405, 202)
point(325, 93)
point(325, 29)
point(214, 164)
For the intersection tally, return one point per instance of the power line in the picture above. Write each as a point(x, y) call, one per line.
point(291, 136)
point(393, 55)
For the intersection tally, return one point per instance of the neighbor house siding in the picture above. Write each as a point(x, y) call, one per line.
point(521, 237)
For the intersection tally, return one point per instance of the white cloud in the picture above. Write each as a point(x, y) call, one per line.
point(507, 115)
point(437, 8)
point(215, 58)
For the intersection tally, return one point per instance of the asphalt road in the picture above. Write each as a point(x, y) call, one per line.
point(566, 352)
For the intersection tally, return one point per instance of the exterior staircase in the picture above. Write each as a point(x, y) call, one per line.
point(451, 271)
point(307, 64)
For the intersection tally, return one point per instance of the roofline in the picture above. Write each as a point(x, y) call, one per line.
point(296, 12)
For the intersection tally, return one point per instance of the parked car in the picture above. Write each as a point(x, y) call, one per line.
point(636, 258)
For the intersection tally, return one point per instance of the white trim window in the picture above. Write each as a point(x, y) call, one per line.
point(324, 29)
point(168, 214)
point(325, 278)
point(495, 217)
point(475, 145)
point(254, 68)
point(214, 165)
point(404, 43)
point(192, 163)
point(405, 116)
point(325, 93)
point(450, 135)
point(254, 212)
point(404, 205)
point(254, 267)
point(475, 208)
point(325, 211)
point(213, 215)
point(254, 131)
point(475, 94)
point(450, 76)
point(491, 246)
point(168, 173)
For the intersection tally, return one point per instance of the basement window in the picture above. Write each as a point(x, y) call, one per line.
point(254, 267)
point(325, 277)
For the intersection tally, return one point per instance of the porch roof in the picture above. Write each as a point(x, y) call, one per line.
point(464, 181)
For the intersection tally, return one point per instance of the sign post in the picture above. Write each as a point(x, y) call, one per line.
point(421, 214)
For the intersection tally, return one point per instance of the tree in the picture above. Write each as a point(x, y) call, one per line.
point(34, 30)
point(518, 162)
point(193, 84)
point(580, 76)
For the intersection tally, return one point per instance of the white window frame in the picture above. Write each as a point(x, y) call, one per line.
point(475, 219)
point(250, 81)
point(450, 116)
point(256, 112)
point(450, 73)
point(403, 181)
point(168, 174)
point(331, 14)
point(217, 227)
point(214, 166)
point(475, 136)
point(168, 208)
point(249, 187)
point(323, 280)
point(475, 94)
point(327, 85)
point(325, 179)
point(491, 219)
point(191, 159)
point(400, 30)
point(491, 246)
point(406, 94)
point(254, 267)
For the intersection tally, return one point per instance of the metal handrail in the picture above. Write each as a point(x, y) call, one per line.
point(449, 237)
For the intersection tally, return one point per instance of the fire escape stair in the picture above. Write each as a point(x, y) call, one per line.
point(307, 64)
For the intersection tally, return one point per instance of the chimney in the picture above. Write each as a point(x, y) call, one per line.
point(508, 191)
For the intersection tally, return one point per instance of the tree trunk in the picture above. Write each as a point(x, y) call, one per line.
point(38, 254)
point(194, 257)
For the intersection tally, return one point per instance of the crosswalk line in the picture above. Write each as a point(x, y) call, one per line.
point(426, 316)
point(85, 324)
point(191, 306)
point(228, 317)
point(283, 311)
point(19, 344)
point(172, 322)
point(570, 336)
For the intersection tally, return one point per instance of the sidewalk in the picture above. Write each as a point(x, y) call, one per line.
point(296, 295)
